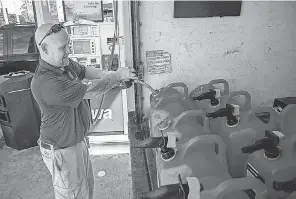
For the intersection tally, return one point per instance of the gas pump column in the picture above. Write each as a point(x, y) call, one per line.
point(85, 45)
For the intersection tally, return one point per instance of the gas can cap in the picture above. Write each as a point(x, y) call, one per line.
point(235, 109)
point(194, 188)
point(280, 136)
point(273, 155)
point(218, 93)
point(168, 154)
point(171, 140)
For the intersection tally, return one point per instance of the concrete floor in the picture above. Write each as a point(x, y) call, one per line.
point(23, 174)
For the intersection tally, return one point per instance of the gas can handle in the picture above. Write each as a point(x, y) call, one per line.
point(220, 81)
point(188, 113)
point(206, 139)
point(266, 109)
point(247, 105)
point(285, 120)
point(234, 185)
point(178, 84)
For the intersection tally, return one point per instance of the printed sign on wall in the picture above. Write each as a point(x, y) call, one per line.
point(88, 10)
point(158, 62)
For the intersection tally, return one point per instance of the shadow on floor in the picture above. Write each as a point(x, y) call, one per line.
point(23, 175)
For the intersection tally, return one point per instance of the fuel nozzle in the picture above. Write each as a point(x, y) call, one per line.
point(288, 186)
point(167, 153)
point(230, 112)
point(124, 84)
point(172, 191)
point(212, 95)
point(128, 84)
point(269, 144)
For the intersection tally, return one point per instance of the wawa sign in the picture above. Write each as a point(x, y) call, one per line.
point(99, 114)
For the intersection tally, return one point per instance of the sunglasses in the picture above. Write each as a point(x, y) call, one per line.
point(54, 29)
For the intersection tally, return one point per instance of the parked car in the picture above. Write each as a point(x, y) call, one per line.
point(18, 50)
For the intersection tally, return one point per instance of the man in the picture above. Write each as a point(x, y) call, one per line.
point(65, 112)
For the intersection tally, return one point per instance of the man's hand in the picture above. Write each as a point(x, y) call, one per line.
point(126, 74)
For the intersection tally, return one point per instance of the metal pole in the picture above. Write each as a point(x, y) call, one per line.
point(137, 59)
point(138, 87)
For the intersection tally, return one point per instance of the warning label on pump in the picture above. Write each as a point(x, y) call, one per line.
point(158, 62)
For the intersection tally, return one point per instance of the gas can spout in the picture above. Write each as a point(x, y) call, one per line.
point(269, 144)
point(258, 145)
point(288, 186)
point(180, 190)
point(228, 112)
point(208, 95)
point(157, 142)
point(211, 95)
point(167, 191)
point(223, 112)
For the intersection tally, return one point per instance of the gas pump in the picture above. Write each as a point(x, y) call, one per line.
point(85, 48)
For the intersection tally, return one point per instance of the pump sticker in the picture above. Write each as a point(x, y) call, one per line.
point(251, 172)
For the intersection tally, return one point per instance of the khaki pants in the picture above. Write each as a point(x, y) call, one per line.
point(71, 171)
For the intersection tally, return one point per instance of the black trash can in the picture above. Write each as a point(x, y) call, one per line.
point(19, 113)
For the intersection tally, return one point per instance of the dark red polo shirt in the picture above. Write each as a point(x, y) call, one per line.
point(65, 115)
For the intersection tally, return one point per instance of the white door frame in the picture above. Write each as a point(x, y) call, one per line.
point(126, 31)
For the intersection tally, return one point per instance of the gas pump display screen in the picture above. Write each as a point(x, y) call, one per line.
point(81, 47)
point(82, 30)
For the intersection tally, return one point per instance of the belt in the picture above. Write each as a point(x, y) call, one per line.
point(48, 146)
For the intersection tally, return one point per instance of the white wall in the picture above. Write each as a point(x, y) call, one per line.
point(255, 52)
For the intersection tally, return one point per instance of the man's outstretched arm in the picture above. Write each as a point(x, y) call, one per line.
point(101, 80)
point(106, 80)
point(92, 73)
point(99, 86)
point(88, 73)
